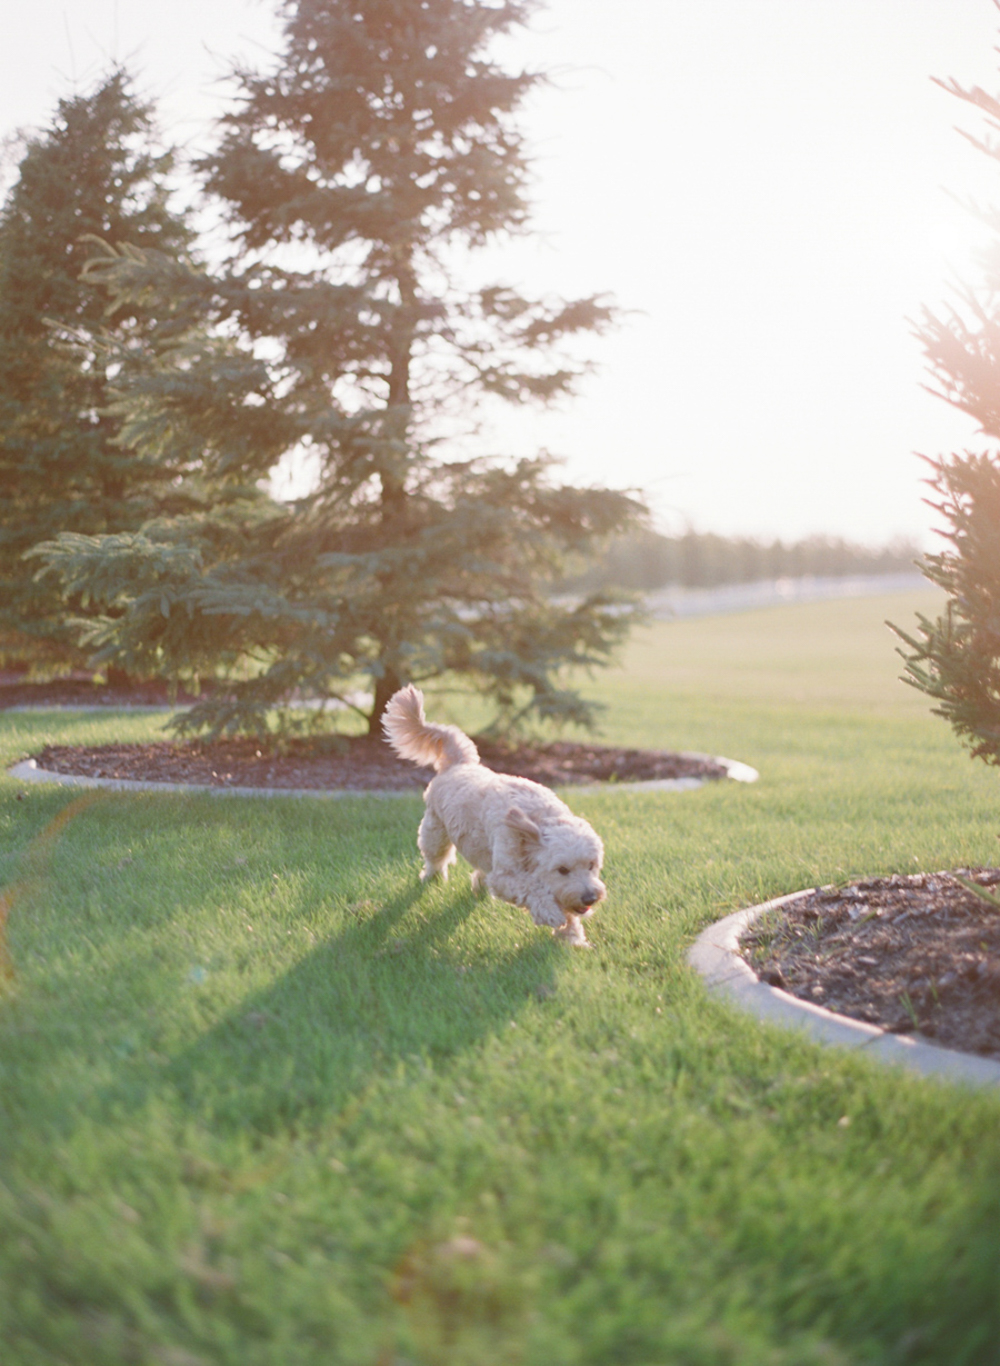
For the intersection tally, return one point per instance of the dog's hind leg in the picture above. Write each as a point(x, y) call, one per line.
point(479, 887)
point(436, 847)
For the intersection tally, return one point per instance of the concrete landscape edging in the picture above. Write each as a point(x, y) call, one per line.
point(715, 955)
point(28, 771)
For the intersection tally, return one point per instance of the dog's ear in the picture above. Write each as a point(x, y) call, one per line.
point(527, 833)
point(523, 824)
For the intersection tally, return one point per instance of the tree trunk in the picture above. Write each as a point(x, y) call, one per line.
point(398, 413)
point(393, 499)
point(385, 686)
point(118, 678)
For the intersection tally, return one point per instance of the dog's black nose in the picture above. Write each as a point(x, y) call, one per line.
point(590, 898)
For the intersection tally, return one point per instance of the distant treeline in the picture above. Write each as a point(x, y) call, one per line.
point(646, 560)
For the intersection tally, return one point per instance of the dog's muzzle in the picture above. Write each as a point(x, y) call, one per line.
point(589, 900)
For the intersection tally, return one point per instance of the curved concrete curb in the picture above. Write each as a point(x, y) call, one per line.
point(27, 771)
point(715, 954)
point(740, 773)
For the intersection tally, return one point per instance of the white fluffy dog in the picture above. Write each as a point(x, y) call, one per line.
point(522, 841)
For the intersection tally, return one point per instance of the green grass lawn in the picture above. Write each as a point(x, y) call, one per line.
point(266, 1103)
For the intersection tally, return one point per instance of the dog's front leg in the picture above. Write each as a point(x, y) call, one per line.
point(518, 890)
point(545, 910)
point(572, 933)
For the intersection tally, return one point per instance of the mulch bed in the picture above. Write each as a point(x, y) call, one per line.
point(917, 954)
point(360, 764)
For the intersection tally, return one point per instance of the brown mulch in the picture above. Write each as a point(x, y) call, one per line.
point(917, 954)
point(360, 764)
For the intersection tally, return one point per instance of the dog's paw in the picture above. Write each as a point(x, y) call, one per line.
point(572, 933)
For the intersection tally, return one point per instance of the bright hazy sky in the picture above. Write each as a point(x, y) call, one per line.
point(766, 183)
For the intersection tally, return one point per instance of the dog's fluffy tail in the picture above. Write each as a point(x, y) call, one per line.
point(413, 737)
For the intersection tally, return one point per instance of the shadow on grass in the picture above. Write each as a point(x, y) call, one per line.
point(389, 985)
point(385, 990)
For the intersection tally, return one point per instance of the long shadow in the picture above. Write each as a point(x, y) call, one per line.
point(386, 986)
point(371, 996)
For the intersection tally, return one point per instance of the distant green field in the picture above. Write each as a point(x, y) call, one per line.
point(837, 654)
point(265, 1102)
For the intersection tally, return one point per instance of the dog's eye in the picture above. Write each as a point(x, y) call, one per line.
point(563, 872)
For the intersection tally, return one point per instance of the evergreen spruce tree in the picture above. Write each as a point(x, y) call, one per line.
point(92, 172)
point(355, 177)
point(955, 658)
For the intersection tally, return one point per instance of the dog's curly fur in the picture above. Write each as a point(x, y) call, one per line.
point(524, 844)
